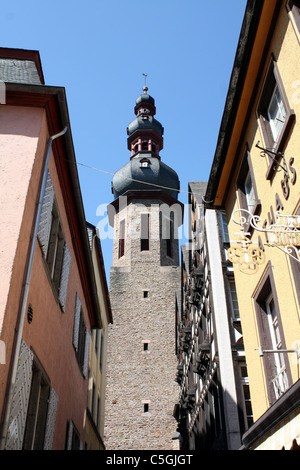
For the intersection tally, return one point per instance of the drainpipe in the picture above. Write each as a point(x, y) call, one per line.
point(26, 291)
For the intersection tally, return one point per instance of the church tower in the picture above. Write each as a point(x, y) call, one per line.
point(144, 278)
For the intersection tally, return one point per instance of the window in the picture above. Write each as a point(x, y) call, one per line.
point(98, 412)
point(145, 228)
point(276, 365)
point(73, 441)
point(293, 8)
point(234, 300)
point(42, 405)
point(81, 338)
point(295, 265)
point(145, 294)
point(122, 239)
point(101, 352)
point(224, 227)
point(247, 189)
point(146, 346)
point(247, 407)
point(55, 248)
point(145, 163)
point(53, 244)
point(144, 146)
point(275, 115)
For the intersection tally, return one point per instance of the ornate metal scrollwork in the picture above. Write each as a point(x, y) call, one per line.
point(283, 234)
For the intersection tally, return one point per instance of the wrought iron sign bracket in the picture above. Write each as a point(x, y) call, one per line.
point(284, 234)
point(279, 351)
point(273, 156)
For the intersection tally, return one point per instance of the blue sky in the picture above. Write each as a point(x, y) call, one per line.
point(98, 50)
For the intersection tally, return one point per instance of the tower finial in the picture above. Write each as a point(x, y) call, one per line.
point(145, 88)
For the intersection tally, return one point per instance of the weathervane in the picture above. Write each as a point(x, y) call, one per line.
point(145, 88)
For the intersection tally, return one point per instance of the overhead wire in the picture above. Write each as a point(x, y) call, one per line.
point(144, 182)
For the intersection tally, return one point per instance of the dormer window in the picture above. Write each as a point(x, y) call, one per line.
point(145, 163)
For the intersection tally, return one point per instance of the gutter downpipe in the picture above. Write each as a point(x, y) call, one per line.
point(26, 291)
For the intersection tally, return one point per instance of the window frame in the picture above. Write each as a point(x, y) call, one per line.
point(145, 232)
point(295, 268)
point(293, 9)
point(122, 229)
point(246, 170)
point(266, 288)
point(37, 412)
point(273, 80)
point(56, 246)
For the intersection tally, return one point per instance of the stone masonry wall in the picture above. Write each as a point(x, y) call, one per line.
point(141, 367)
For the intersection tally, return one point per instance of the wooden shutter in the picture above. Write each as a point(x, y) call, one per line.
point(64, 277)
point(46, 215)
point(86, 353)
point(21, 392)
point(70, 435)
point(76, 322)
point(51, 419)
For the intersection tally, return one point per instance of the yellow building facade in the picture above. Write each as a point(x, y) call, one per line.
point(255, 178)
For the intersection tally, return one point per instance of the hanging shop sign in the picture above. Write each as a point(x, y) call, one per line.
point(283, 234)
point(245, 253)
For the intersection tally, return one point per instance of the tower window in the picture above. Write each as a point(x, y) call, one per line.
point(145, 294)
point(145, 163)
point(145, 146)
point(169, 240)
point(122, 239)
point(146, 407)
point(145, 224)
point(153, 148)
point(146, 346)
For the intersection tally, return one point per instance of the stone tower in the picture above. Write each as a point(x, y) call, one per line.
point(144, 278)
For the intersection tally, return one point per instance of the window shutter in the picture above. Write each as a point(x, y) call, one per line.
point(21, 392)
point(64, 277)
point(46, 215)
point(51, 419)
point(86, 353)
point(76, 322)
point(70, 435)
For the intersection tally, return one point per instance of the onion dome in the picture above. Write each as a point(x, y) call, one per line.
point(145, 171)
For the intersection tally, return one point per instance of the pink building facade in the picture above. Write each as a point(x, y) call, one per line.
point(48, 296)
